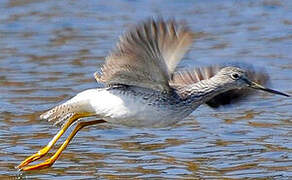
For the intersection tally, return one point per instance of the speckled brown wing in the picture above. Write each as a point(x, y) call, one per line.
point(187, 77)
point(147, 56)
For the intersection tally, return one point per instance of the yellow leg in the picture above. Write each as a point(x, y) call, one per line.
point(46, 149)
point(49, 162)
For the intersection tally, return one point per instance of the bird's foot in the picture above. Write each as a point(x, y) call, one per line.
point(33, 157)
point(47, 163)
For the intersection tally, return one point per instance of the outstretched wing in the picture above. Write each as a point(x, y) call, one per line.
point(147, 56)
point(187, 77)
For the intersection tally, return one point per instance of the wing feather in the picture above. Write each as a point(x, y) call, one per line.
point(147, 56)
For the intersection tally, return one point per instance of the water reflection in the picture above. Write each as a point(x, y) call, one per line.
point(50, 49)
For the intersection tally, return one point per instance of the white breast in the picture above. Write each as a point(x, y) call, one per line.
point(128, 109)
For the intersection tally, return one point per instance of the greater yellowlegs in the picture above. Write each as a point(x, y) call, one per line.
point(142, 87)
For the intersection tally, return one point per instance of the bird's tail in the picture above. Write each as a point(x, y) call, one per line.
point(61, 113)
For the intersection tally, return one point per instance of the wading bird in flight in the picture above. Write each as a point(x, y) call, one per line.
point(143, 88)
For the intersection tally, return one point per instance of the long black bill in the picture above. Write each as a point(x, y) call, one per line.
point(259, 87)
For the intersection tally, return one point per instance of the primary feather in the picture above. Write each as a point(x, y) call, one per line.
point(147, 56)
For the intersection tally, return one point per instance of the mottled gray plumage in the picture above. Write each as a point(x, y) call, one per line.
point(142, 89)
point(147, 56)
point(186, 77)
point(140, 75)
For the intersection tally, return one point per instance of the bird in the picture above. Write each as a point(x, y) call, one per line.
point(144, 88)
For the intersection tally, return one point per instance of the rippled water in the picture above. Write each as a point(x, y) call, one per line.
point(50, 49)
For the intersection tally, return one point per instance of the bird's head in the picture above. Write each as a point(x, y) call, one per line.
point(237, 78)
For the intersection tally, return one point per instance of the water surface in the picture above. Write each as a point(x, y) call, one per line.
point(49, 51)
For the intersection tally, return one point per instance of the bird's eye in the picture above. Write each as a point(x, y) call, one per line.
point(235, 76)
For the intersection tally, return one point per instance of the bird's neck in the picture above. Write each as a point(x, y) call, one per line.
point(203, 91)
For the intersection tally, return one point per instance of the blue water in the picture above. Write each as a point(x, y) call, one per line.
point(49, 51)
